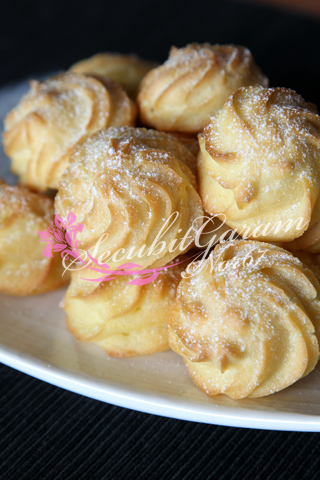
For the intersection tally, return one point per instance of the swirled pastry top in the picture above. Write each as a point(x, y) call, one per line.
point(245, 320)
point(134, 187)
point(260, 164)
point(193, 83)
point(128, 70)
point(23, 268)
point(56, 115)
point(124, 319)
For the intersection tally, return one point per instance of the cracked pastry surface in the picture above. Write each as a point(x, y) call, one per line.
point(259, 164)
point(247, 322)
point(127, 70)
point(23, 268)
point(124, 184)
point(53, 117)
point(195, 81)
point(125, 320)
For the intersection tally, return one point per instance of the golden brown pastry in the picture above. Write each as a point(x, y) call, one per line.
point(310, 240)
point(23, 268)
point(193, 83)
point(189, 141)
point(128, 70)
point(124, 184)
point(247, 320)
point(125, 320)
point(214, 231)
point(54, 117)
point(259, 164)
point(311, 260)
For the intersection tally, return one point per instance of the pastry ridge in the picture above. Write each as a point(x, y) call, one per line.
point(125, 183)
point(193, 83)
point(261, 143)
point(23, 268)
point(125, 320)
point(247, 320)
point(127, 70)
point(53, 117)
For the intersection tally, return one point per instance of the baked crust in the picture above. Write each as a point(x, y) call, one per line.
point(311, 260)
point(23, 268)
point(242, 320)
point(56, 115)
point(193, 83)
point(127, 70)
point(259, 164)
point(125, 320)
point(123, 184)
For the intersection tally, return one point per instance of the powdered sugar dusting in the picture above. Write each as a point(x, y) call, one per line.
point(237, 306)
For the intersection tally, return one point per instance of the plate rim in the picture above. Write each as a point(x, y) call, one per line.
point(157, 404)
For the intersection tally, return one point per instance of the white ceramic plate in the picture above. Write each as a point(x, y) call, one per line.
point(35, 340)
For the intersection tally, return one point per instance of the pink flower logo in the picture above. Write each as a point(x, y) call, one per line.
point(61, 236)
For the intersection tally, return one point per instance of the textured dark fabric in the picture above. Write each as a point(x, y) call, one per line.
point(48, 433)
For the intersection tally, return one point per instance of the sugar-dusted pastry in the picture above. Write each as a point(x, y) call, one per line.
point(135, 194)
point(128, 70)
point(213, 231)
point(259, 164)
point(126, 320)
point(54, 117)
point(23, 268)
point(246, 321)
point(193, 83)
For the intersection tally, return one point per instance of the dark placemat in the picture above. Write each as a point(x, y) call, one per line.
point(48, 433)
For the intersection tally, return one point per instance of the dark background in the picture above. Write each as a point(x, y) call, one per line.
point(47, 433)
point(40, 36)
